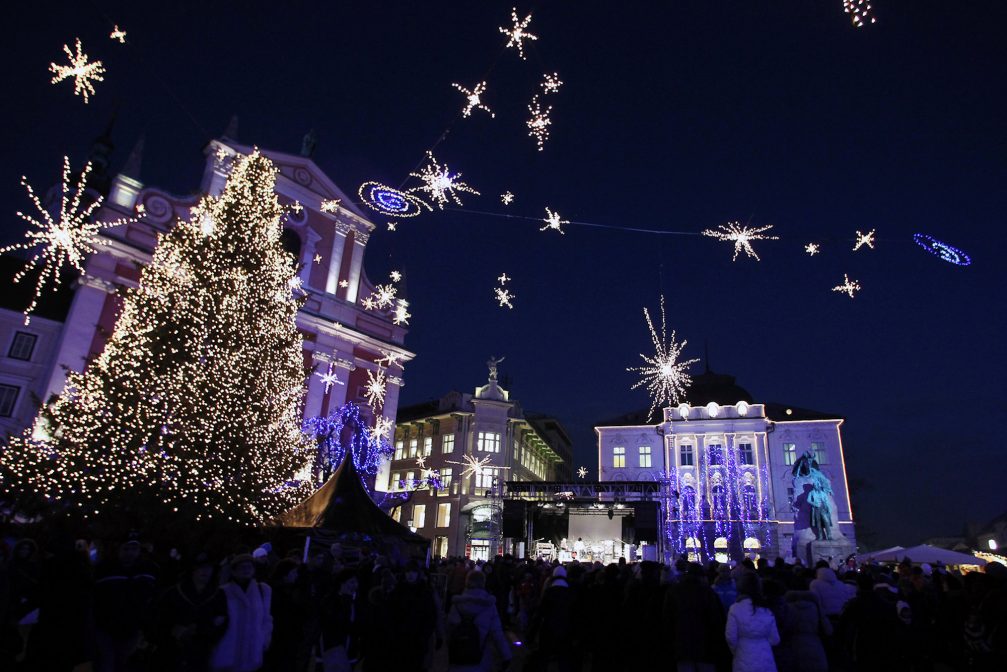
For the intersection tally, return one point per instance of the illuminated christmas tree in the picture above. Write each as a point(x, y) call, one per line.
point(193, 409)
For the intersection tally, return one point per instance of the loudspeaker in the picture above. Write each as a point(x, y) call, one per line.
point(513, 519)
point(646, 514)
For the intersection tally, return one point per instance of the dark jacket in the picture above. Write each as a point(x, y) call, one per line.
point(803, 625)
point(696, 619)
point(187, 624)
point(122, 596)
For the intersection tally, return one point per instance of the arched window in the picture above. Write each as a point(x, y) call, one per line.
point(719, 500)
point(291, 242)
point(749, 501)
point(692, 549)
point(688, 501)
point(752, 546)
point(720, 549)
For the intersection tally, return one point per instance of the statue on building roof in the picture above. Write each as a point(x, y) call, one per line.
point(492, 364)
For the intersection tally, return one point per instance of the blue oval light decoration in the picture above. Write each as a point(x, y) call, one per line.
point(946, 252)
point(389, 201)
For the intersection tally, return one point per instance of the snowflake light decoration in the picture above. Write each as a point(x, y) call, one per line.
point(374, 391)
point(551, 83)
point(329, 378)
point(552, 221)
point(392, 226)
point(401, 314)
point(504, 297)
point(582, 472)
point(473, 100)
point(330, 205)
point(864, 239)
point(742, 237)
point(475, 466)
point(118, 34)
point(395, 276)
point(539, 122)
point(317, 259)
point(440, 184)
point(504, 279)
point(382, 428)
point(63, 242)
point(344, 283)
point(859, 11)
point(82, 72)
point(506, 198)
point(368, 303)
point(812, 249)
point(389, 359)
point(849, 287)
point(518, 32)
point(665, 375)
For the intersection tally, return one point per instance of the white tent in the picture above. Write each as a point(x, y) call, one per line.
point(924, 553)
point(880, 556)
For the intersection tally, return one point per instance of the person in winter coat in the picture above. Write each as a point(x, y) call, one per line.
point(414, 631)
point(832, 593)
point(289, 649)
point(189, 619)
point(479, 606)
point(552, 624)
point(870, 628)
point(339, 623)
point(250, 622)
point(378, 656)
point(123, 590)
point(695, 620)
point(751, 628)
point(725, 587)
point(804, 625)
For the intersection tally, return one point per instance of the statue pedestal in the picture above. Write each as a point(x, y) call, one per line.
point(833, 550)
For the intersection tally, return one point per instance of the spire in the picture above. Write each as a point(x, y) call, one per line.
point(133, 163)
point(231, 131)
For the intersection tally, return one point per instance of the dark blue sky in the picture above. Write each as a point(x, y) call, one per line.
point(675, 116)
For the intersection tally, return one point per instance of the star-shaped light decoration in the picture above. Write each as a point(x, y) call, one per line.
point(538, 123)
point(665, 376)
point(582, 472)
point(296, 207)
point(421, 461)
point(475, 466)
point(374, 391)
point(401, 314)
point(392, 225)
point(118, 34)
point(553, 221)
point(395, 276)
point(504, 279)
point(504, 297)
point(849, 287)
point(741, 235)
point(812, 249)
point(384, 295)
point(368, 303)
point(63, 242)
point(382, 428)
point(518, 32)
point(442, 186)
point(317, 259)
point(329, 378)
point(864, 239)
point(473, 100)
point(82, 72)
point(551, 83)
point(344, 283)
point(506, 198)
point(330, 205)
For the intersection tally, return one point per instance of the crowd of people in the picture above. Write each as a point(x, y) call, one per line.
point(131, 607)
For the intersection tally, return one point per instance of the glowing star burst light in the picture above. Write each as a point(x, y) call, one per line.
point(82, 72)
point(506, 198)
point(390, 201)
point(474, 466)
point(344, 284)
point(552, 221)
point(382, 427)
point(317, 259)
point(812, 249)
point(582, 472)
point(330, 205)
point(473, 100)
point(63, 242)
point(392, 226)
point(518, 32)
point(551, 83)
point(849, 287)
point(946, 252)
point(440, 184)
point(118, 34)
point(374, 391)
point(860, 12)
point(389, 359)
point(864, 239)
point(329, 378)
point(395, 276)
point(504, 297)
point(504, 279)
point(539, 122)
point(665, 376)
point(401, 315)
point(741, 235)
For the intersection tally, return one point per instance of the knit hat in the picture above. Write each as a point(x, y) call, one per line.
point(560, 571)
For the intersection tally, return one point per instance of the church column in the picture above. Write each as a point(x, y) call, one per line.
point(308, 257)
point(356, 262)
point(340, 229)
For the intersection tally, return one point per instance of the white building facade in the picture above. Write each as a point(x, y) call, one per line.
point(725, 464)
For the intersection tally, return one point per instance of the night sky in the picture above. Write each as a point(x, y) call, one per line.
point(675, 116)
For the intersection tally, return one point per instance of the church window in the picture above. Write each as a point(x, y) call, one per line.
point(789, 454)
point(686, 453)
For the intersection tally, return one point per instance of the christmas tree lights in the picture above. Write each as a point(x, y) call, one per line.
point(473, 100)
point(553, 221)
point(742, 237)
point(518, 32)
point(442, 186)
point(83, 73)
point(61, 243)
point(192, 410)
point(539, 122)
point(665, 375)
